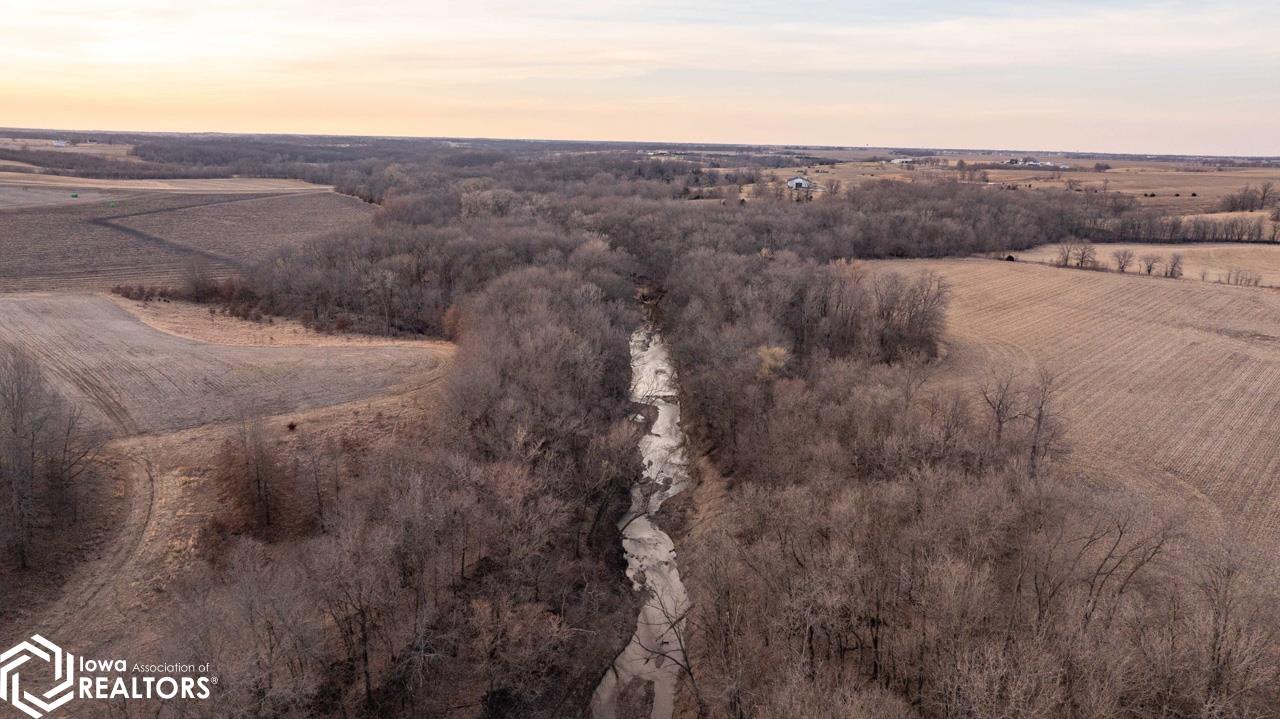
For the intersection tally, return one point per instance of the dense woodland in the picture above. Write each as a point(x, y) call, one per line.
point(890, 547)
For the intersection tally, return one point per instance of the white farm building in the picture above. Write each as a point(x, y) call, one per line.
point(799, 183)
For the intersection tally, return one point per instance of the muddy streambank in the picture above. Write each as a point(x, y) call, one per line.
point(656, 652)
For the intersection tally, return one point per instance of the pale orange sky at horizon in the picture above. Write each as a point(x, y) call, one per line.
point(1167, 77)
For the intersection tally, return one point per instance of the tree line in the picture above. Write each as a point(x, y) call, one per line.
point(47, 450)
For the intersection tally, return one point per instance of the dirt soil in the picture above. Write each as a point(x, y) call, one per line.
point(138, 379)
point(153, 238)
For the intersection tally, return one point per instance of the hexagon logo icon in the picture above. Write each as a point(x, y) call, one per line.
point(37, 705)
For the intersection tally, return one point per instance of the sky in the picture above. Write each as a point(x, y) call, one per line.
point(1121, 76)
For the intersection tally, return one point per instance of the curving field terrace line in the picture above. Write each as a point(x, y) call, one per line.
point(151, 238)
point(162, 243)
point(182, 248)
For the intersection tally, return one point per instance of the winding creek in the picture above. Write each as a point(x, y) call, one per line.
point(655, 653)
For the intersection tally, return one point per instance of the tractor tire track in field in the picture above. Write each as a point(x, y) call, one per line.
point(91, 386)
point(102, 573)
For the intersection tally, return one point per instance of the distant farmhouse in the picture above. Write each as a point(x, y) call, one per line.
point(1032, 162)
point(799, 183)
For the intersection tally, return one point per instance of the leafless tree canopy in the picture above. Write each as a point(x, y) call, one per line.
point(888, 545)
point(1123, 258)
point(45, 450)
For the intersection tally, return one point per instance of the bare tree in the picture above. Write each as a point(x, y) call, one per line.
point(1266, 193)
point(24, 414)
point(198, 285)
point(1173, 268)
point(71, 452)
point(1000, 393)
point(1066, 251)
point(347, 572)
point(255, 618)
point(383, 289)
point(1149, 263)
point(44, 450)
point(1235, 630)
point(1039, 410)
point(1086, 255)
point(1123, 257)
point(22, 410)
point(253, 464)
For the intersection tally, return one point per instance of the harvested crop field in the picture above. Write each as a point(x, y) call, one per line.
point(1219, 262)
point(1168, 385)
point(249, 229)
point(152, 238)
point(199, 186)
point(1164, 186)
point(139, 379)
point(15, 196)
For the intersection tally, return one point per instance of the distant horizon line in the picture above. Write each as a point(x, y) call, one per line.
point(656, 143)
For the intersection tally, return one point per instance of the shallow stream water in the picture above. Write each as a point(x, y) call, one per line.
point(655, 653)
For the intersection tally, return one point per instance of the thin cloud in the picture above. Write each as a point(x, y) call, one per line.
point(947, 70)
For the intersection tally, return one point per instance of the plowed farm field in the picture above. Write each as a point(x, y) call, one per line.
point(133, 378)
point(1171, 386)
point(153, 237)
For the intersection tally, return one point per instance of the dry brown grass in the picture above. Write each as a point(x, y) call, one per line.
point(151, 238)
point(196, 322)
point(1168, 385)
point(1215, 260)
